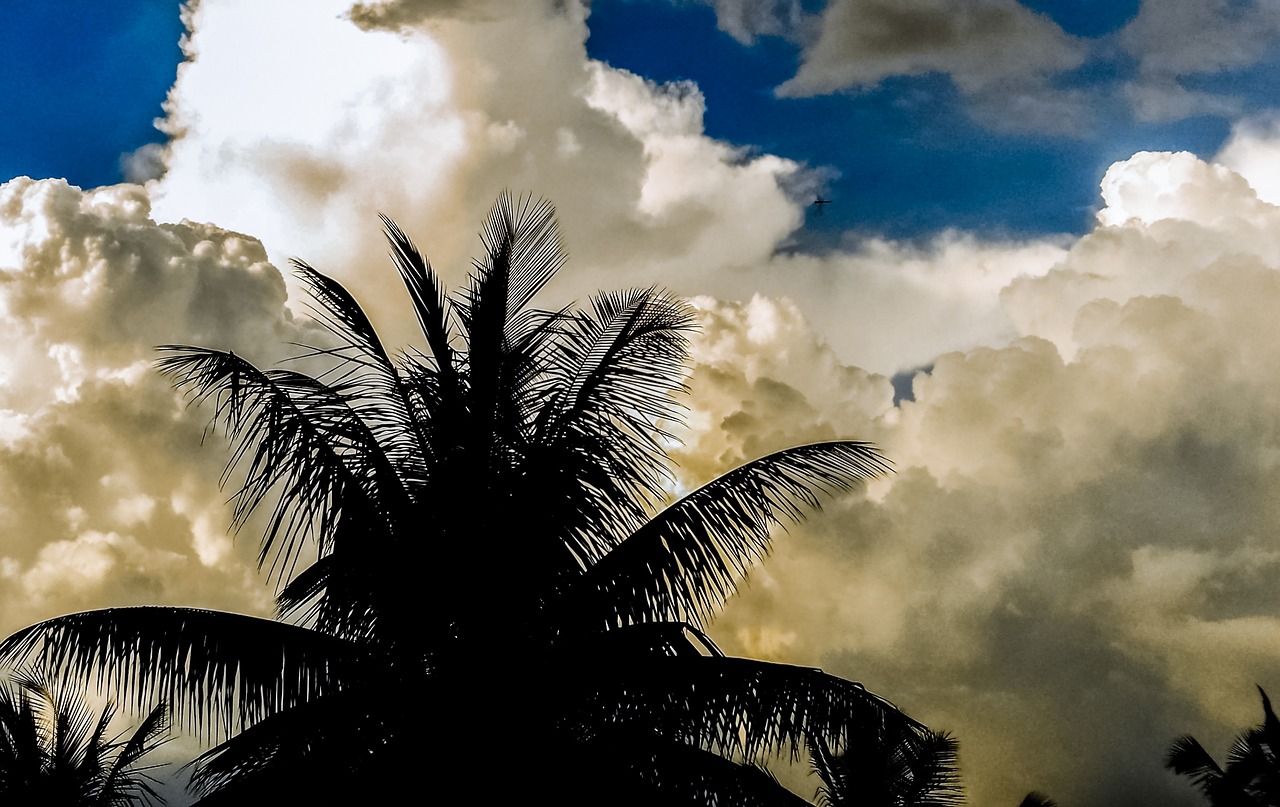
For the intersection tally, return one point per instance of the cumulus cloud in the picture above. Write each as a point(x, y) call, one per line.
point(1076, 553)
point(437, 120)
point(107, 496)
point(1253, 151)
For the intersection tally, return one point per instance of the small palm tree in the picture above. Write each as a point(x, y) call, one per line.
point(55, 751)
point(1251, 777)
point(498, 569)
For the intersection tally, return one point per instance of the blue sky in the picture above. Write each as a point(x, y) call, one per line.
point(903, 157)
point(81, 84)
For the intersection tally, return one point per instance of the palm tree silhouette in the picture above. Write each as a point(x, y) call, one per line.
point(1251, 777)
point(476, 555)
point(55, 751)
point(901, 768)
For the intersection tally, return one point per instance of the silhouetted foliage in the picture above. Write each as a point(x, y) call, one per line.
point(498, 568)
point(1251, 777)
point(55, 751)
point(904, 767)
point(901, 768)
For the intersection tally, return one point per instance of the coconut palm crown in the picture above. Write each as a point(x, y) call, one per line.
point(477, 556)
point(55, 751)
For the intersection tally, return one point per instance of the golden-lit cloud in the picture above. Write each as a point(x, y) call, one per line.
point(1081, 536)
point(108, 497)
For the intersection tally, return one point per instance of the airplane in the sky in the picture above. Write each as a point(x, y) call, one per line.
point(821, 201)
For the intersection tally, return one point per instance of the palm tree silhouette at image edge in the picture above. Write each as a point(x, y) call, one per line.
point(1251, 777)
point(499, 574)
point(56, 752)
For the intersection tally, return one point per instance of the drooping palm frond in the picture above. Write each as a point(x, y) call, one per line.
point(1186, 757)
point(218, 671)
point(689, 558)
point(739, 708)
point(1037, 799)
point(629, 769)
point(299, 439)
point(935, 765)
point(354, 739)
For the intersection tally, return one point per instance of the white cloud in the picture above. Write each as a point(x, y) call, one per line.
point(745, 20)
point(1080, 537)
point(95, 443)
point(1253, 151)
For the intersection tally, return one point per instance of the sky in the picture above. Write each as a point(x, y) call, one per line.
point(1045, 286)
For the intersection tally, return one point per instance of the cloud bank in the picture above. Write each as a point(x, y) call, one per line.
point(1070, 566)
point(1078, 549)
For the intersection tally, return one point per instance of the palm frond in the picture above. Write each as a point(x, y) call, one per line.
point(635, 642)
point(1187, 757)
point(629, 768)
point(431, 304)
point(736, 707)
point(298, 437)
point(1037, 799)
point(359, 744)
point(523, 252)
point(369, 380)
point(688, 559)
point(933, 759)
point(217, 671)
point(128, 781)
point(522, 243)
point(21, 746)
point(612, 382)
point(66, 720)
point(905, 764)
point(624, 362)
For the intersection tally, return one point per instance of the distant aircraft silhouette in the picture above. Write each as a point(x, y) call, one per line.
point(821, 201)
